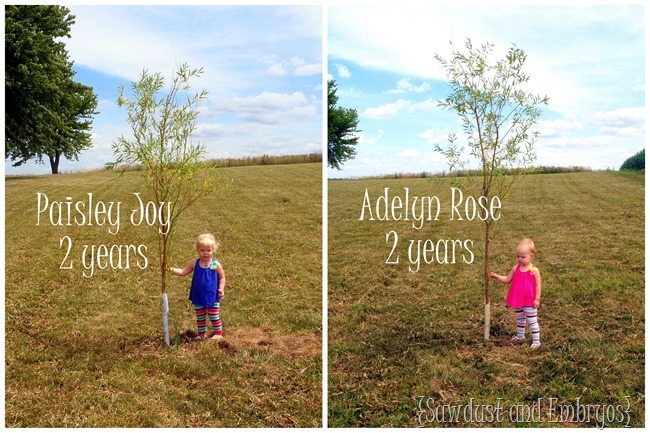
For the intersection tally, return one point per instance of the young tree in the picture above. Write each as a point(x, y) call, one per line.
point(341, 129)
point(47, 112)
point(498, 117)
point(171, 163)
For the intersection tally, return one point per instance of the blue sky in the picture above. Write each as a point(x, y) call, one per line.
point(589, 60)
point(263, 71)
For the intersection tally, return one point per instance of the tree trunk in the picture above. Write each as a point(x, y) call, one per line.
point(165, 318)
point(486, 324)
point(165, 304)
point(54, 161)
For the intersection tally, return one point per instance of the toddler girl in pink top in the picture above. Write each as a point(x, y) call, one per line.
point(525, 292)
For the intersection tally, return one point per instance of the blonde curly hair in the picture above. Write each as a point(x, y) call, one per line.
point(206, 240)
point(528, 243)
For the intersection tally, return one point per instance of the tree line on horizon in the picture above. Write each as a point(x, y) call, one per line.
point(635, 162)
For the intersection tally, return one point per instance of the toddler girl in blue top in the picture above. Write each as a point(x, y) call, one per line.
point(207, 286)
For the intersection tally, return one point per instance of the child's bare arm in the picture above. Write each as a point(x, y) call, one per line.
point(503, 278)
point(181, 272)
point(511, 274)
point(500, 278)
point(538, 288)
point(222, 280)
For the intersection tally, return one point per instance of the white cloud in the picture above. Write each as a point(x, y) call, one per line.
point(373, 140)
point(254, 139)
point(276, 69)
point(391, 109)
point(558, 127)
point(276, 117)
point(135, 44)
point(301, 21)
point(104, 104)
point(310, 69)
point(386, 111)
point(624, 122)
point(297, 61)
point(579, 56)
point(428, 105)
point(623, 117)
point(342, 71)
point(597, 152)
point(268, 107)
point(206, 112)
point(217, 130)
point(434, 136)
point(358, 34)
point(409, 153)
point(264, 102)
point(227, 41)
point(627, 131)
point(302, 68)
point(571, 142)
point(405, 85)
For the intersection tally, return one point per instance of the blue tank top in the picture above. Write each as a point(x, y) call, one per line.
point(205, 285)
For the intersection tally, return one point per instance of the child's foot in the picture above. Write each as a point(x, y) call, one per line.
point(517, 340)
point(535, 346)
point(217, 337)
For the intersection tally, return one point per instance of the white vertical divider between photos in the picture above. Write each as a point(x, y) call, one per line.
point(324, 211)
point(647, 218)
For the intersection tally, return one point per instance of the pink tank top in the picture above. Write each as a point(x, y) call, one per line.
point(522, 289)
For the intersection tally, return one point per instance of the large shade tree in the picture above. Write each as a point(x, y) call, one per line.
point(341, 129)
point(47, 113)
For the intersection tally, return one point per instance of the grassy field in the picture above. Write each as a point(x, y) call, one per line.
point(395, 335)
point(89, 352)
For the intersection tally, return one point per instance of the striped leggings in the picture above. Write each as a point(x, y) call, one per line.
point(213, 314)
point(527, 315)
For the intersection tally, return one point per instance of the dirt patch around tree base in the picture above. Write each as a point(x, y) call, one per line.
point(259, 339)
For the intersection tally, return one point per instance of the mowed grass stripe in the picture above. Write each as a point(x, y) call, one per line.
point(396, 335)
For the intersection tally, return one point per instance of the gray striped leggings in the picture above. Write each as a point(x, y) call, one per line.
point(527, 315)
